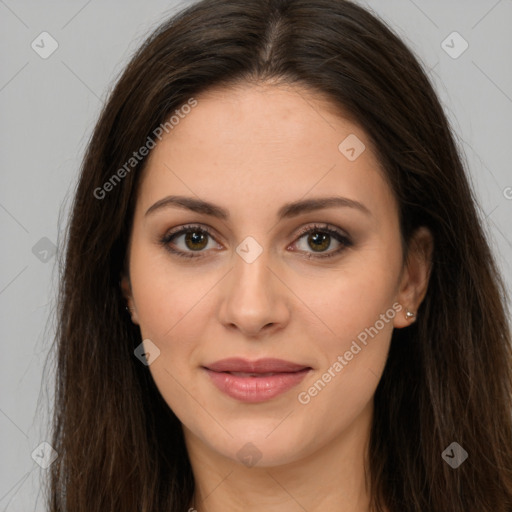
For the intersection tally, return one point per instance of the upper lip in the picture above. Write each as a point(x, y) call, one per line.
point(267, 365)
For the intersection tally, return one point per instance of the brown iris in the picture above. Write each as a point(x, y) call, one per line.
point(196, 240)
point(321, 241)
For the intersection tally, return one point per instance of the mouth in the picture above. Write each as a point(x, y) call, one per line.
point(255, 381)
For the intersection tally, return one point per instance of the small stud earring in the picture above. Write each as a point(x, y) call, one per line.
point(409, 314)
point(128, 309)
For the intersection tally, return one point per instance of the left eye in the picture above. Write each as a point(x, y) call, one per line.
point(320, 238)
point(194, 239)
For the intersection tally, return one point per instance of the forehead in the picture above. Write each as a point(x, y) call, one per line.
point(253, 145)
point(285, 119)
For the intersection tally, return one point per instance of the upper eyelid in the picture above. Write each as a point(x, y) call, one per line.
point(301, 232)
point(179, 231)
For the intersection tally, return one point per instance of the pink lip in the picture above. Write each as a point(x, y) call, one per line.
point(255, 388)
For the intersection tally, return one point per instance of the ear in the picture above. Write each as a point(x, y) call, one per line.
point(126, 289)
point(415, 276)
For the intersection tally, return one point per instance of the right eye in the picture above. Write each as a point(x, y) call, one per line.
point(194, 239)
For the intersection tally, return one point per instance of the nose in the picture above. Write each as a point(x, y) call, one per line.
point(255, 300)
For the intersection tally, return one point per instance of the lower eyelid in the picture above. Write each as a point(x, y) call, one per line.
point(344, 243)
point(342, 239)
point(171, 237)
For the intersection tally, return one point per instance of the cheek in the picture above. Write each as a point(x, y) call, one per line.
point(351, 331)
point(357, 319)
point(357, 325)
point(164, 294)
point(169, 306)
point(352, 299)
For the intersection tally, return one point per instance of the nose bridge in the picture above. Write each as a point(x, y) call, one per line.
point(251, 276)
point(253, 300)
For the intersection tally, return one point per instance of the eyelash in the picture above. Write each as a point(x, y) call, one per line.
point(325, 229)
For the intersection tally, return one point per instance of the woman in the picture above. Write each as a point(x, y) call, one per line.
point(277, 292)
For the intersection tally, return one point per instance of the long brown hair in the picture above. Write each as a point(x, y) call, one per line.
point(448, 377)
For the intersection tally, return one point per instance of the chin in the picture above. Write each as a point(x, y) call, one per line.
point(259, 446)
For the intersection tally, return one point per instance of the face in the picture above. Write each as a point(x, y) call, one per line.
point(268, 269)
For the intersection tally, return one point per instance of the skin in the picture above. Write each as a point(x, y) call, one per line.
point(250, 150)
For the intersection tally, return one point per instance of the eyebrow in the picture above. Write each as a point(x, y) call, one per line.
point(287, 211)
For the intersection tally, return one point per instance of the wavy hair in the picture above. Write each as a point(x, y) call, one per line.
point(448, 376)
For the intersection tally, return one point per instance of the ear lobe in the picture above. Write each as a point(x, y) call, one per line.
point(125, 286)
point(126, 290)
point(416, 274)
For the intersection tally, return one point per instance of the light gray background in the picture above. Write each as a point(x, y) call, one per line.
point(49, 107)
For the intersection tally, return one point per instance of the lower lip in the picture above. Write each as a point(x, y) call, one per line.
point(256, 389)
